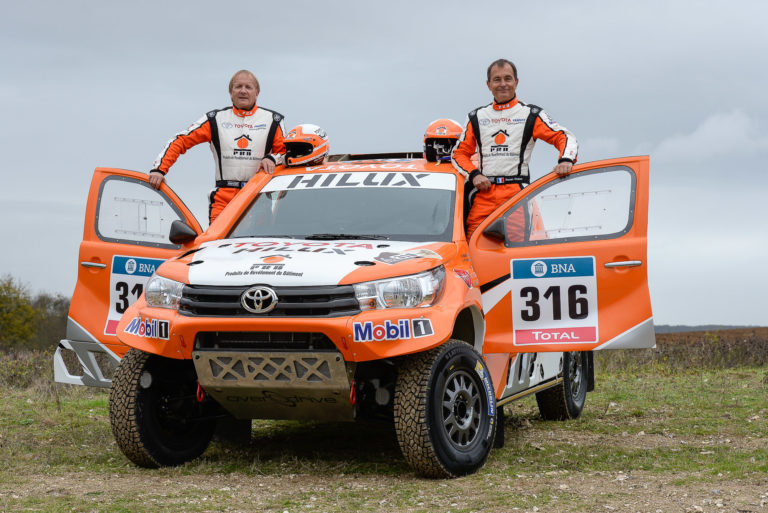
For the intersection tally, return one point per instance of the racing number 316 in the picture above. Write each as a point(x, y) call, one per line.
point(122, 295)
point(578, 306)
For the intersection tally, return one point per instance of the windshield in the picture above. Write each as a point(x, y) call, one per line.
point(380, 205)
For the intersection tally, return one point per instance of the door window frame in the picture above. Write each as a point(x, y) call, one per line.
point(166, 198)
point(523, 203)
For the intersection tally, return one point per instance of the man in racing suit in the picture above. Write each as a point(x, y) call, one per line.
point(244, 138)
point(503, 133)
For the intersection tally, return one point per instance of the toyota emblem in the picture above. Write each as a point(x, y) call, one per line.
point(259, 300)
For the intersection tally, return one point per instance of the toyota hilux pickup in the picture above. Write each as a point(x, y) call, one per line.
point(349, 290)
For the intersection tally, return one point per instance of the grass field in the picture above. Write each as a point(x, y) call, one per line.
point(658, 434)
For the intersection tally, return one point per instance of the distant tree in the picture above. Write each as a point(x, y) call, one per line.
point(18, 318)
point(52, 312)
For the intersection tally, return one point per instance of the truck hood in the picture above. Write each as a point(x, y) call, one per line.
point(286, 262)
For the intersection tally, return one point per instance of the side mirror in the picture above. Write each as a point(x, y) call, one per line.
point(496, 231)
point(181, 232)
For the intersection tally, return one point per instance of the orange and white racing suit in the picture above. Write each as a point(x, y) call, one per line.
point(239, 140)
point(504, 135)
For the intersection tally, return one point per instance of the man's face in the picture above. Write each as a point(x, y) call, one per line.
point(502, 83)
point(244, 92)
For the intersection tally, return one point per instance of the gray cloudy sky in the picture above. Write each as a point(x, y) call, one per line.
point(86, 84)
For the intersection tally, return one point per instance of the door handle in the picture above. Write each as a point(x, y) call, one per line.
point(93, 264)
point(625, 263)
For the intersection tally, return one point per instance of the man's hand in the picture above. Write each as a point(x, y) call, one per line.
point(481, 183)
point(563, 168)
point(267, 165)
point(156, 179)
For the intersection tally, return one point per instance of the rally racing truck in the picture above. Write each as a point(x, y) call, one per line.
point(348, 290)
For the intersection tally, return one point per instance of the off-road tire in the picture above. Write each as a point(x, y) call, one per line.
point(447, 386)
point(157, 426)
point(566, 400)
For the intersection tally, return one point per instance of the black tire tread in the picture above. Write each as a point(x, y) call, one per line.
point(411, 423)
point(123, 409)
point(553, 402)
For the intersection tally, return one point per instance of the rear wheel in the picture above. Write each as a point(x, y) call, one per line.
point(154, 413)
point(445, 411)
point(566, 400)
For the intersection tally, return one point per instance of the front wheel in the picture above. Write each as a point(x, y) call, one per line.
point(566, 400)
point(445, 410)
point(154, 413)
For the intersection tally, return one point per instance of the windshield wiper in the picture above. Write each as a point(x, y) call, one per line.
point(337, 236)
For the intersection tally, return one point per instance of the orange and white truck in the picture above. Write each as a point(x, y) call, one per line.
point(349, 290)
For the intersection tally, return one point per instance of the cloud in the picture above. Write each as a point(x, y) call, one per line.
point(720, 135)
point(598, 148)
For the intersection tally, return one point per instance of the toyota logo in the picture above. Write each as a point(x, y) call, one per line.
point(259, 300)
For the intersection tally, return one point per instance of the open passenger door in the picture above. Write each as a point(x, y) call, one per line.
point(127, 223)
point(562, 264)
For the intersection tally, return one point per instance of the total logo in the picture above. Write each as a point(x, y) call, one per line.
point(148, 328)
point(401, 329)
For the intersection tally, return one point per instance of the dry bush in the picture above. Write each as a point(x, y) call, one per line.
point(23, 368)
point(721, 349)
point(33, 369)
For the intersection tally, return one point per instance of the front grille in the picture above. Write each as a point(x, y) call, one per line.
point(263, 341)
point(223, 301)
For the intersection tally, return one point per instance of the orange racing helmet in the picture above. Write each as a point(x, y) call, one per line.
point(440, 138)
point(305, 145)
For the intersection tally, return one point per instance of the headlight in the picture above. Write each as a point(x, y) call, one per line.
point(415, 291)
point(163, 293)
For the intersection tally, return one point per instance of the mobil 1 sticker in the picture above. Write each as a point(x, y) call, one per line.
point(126, 283)
point(554, 300)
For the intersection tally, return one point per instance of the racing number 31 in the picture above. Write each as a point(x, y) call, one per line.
point(123, 302)
point(578, 306)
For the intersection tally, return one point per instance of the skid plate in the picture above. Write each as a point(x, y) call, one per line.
point(278, 385)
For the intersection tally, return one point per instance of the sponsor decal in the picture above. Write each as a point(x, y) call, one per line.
point(338, 248)
point(499, 138)
point(338, 180)
point(271, 265)
point(422, 328)
point(242, 149)
point(126, 283)
point(354, 176)
point(227, 125)
point(148, 328)
point(488, 388)
point(554, 300)
point(401, 329)
point(389, 257)
point(242, 141)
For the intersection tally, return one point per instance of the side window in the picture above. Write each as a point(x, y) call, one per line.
point(132, 212)
point(590, 205)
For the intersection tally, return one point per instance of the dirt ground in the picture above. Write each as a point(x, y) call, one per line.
point(632, 492)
